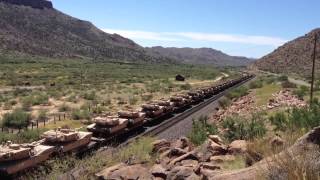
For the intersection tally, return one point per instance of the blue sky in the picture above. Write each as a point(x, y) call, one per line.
point(250, 28)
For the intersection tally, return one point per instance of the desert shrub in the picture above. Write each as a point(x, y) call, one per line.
point(78, 114)
point(16, 119)
point(98, 109)
point(288, 84)
point(247, 129)
point(237, 93)
point(42, 116)
point(89, 95)
point(200, 130)
point(72, 98)
point(64, 108)
point(280, 121)
point(186, 86)
point(283, 78)
point(22, 137)
point(154, 86)
point(33, 100)
point(133, 100)
point(146, 97)
point(255, 84)
point(224, 102)
point(301, 91)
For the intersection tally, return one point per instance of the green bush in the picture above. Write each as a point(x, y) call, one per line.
point(255, 84)
point(288, 84)
point(42, 116)
point(90, 95)
point(186, 86)
point(22, 137)
point(78, 114)
point(133, 100)
point(297, 118)
point(16, 119)
point(34, 100)
point(200, 130)
point(64, 108)
point(280, 121)
point(224, 102)
point(240, 128)
point(237, 93)
point(283, 78)
point(301, 92)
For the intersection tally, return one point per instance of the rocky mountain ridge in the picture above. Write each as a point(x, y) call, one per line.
point(293, 57)
point(199, 56)
point(39, 4)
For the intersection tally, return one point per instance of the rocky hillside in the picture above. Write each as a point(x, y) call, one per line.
point(35, 27)
point(199, 56)
point(292, 57)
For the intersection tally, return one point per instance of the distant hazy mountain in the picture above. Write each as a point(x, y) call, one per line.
point(293, 57)
point(199, 56)
point(35, 27)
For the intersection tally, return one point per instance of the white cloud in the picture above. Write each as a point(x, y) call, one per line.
point(141, 35)
point(199, 37)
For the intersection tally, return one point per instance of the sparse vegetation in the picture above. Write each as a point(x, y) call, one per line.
point(200, 130)
point(17, 119)
point(247, 129)
point(238, 92)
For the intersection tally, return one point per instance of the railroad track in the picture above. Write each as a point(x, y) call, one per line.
point(154, 131)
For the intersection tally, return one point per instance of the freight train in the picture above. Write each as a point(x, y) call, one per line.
point(15, 158)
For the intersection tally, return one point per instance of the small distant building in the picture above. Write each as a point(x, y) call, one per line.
point(179, 78)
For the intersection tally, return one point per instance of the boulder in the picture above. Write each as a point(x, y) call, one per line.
point(189, 155)
point(238, 146)
point(189, 163)
point(222, 158)
point(107, 171)
point(217, 149)
point(158, 171)
point(180, 172)
point(216, 139)
point(182, 143)
point(160, 144)
point(130, 172)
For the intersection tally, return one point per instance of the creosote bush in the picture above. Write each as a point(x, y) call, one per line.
point(237, 93)
point(16, 119)
point(245, 129)
point(200, 130)
point(224, 102)
point(256, 84)
point(297, 118)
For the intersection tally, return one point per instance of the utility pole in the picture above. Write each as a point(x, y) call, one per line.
point(313, 67)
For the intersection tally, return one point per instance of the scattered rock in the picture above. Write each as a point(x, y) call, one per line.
point(182, 143)
point(216, 139)
point(158, 171)
point(285, 98)
point(189, 155)
point(130, 172)
point(180, 173)
point(189, 163)
point(238, 146)
point(217, 149)
point(106, 172)
point(160, 144)
point(222, 158)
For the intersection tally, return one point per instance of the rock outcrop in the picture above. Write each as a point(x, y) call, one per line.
point(38, 4)
point(293, 57)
